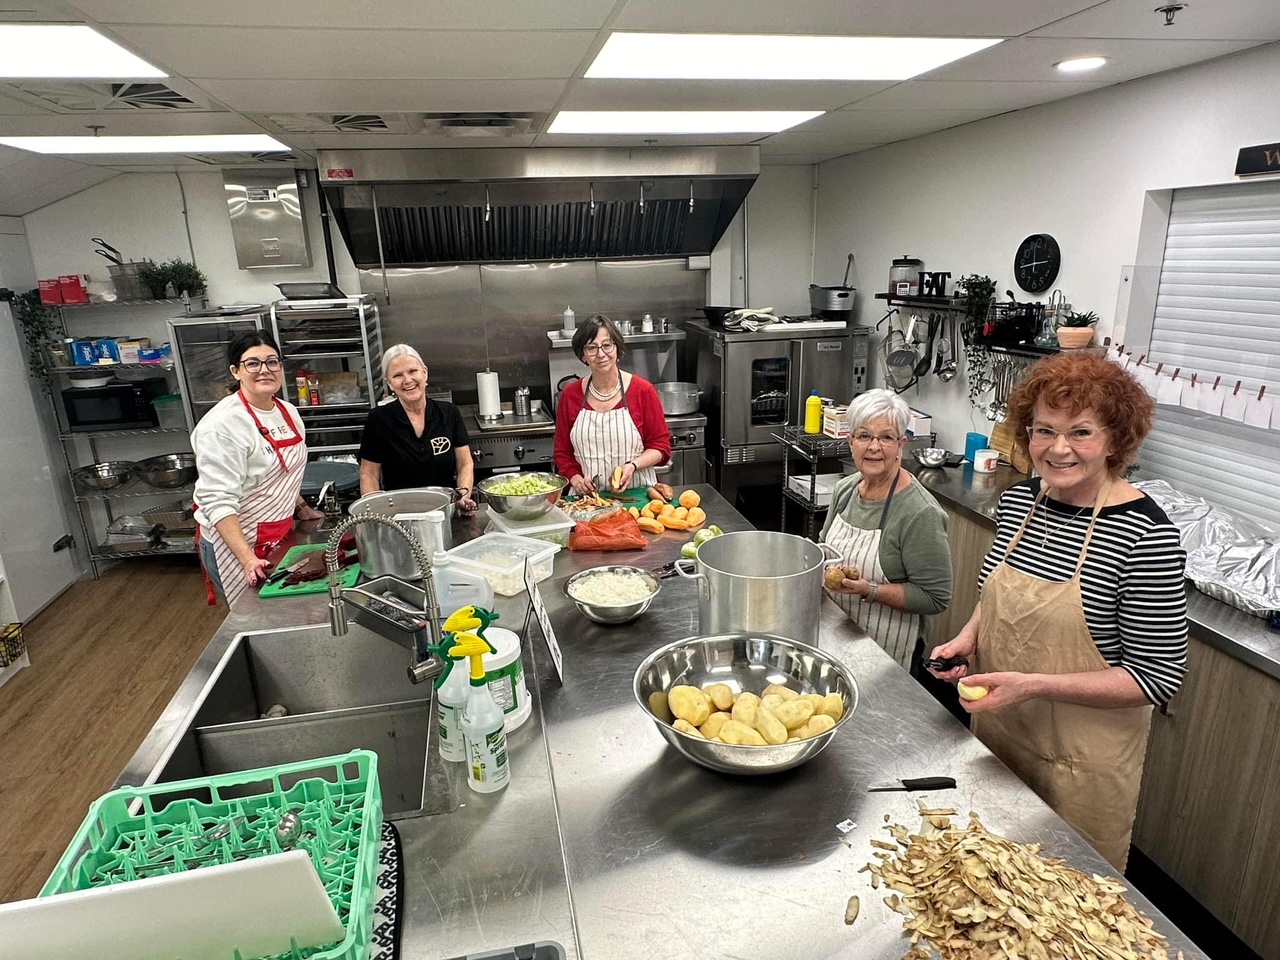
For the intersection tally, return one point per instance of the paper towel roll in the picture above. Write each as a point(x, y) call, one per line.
point(490, 399)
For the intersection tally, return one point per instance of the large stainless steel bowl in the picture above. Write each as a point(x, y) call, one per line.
point(104, 476)
point(746, 662)
point(527, 506)
point(618, 612)
point(931, 456)
point(169, 471)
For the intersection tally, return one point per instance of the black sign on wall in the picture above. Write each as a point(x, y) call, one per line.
point(1253, 161)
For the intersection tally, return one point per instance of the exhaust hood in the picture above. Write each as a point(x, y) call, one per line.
point(411, 208)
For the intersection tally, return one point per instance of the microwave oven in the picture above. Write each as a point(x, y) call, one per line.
point(123, 405)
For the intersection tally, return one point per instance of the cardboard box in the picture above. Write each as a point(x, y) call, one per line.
point(130, 350)
point(823, 486)
point(84, 353)
point(108, 350)
point(50, 292)
point(921, 423)
point(835, 421)
point(73, 290)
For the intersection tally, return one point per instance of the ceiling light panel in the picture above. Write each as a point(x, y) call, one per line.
point(678, 121)
point(701, 56)
point(67, 51)
point(209, 143)
point(1081, 64)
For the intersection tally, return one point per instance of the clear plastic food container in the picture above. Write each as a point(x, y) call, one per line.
point(553, 527)
point(500, 557)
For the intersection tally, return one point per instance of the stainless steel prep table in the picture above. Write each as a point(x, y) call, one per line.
point(615, 846)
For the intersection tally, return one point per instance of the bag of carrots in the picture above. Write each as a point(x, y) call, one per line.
point(612, 531)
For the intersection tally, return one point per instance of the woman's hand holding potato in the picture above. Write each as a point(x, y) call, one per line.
point(846, 579)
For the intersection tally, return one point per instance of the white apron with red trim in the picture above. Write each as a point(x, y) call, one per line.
point(266, 512)
point(602, 441)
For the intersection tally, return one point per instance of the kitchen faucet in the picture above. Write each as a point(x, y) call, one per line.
point(396, 617)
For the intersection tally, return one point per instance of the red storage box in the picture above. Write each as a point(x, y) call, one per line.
point(73, 290)
point(50, 292)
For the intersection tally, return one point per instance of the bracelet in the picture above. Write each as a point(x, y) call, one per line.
point(462, 492)
point(871, 597)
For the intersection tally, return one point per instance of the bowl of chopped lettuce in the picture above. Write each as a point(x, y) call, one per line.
point(522, 496)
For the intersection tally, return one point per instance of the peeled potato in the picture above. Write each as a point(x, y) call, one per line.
point(659, 707)
point(684, 726)
point(617, 477)
point(689, 704)
point(785, 692)
point(737, 732)
point(971, 691)
point(771, 701)
point(714, 724)
point(814, 698)
point(745, 707)
point(769, 726)
point(794, 713)
point(832, 706)
point(819, 723)
point(721, 695)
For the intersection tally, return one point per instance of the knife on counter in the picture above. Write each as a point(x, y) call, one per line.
point(920, 783)
point(280, 574)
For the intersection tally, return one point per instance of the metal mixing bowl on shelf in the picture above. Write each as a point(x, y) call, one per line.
point(613, 613)
point(931, 456)
point(747, 662)
point(104, 476)
point(169, 471)
point(522, 506)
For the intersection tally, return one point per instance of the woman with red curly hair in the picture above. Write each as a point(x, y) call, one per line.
point(1081, 625)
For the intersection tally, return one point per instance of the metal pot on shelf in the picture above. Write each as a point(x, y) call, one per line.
point(678, 398)
point(833, 303)
point(759, 581)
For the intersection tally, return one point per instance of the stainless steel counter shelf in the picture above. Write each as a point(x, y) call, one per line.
point(135, 488)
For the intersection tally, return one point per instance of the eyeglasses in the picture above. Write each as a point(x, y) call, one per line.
point(886, 439)
point(1080, 437)
point(253, 365)
point(591, 349)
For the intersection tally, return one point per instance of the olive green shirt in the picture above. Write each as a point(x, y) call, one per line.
point(913, 548)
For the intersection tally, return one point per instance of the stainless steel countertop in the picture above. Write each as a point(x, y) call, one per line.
point(612, 844)
point(1249, 639)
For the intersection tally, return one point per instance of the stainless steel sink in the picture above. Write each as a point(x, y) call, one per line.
point(341, 693)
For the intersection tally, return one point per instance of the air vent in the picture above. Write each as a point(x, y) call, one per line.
point(91, 97)
point(244, 159)
point(337, 123)
point(481, 126)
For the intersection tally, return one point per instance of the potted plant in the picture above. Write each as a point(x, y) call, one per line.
point(978, 293)
point(40, 330)
point(185, 277)
point(155, 277)
point(1076, 330)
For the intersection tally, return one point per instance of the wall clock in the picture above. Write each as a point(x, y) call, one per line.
point(1036, 264)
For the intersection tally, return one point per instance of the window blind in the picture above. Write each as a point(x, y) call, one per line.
point(1218, 314)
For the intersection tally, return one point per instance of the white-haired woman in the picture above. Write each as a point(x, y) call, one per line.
point(888, 526)
point(411, 441)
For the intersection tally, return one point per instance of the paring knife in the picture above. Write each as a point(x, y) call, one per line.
point(278, 575)
point(920, 783)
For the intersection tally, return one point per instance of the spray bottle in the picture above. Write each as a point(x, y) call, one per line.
point(488, 769)
point(452, 687)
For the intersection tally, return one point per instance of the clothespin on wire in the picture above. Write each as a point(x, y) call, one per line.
point(1261, 390)
point(1217, 380)
point(1159, 367)
point(1237, 389)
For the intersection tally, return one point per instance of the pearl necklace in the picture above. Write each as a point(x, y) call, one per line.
point(604, 397)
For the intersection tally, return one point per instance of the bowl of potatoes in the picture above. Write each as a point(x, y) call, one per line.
point(745, 703)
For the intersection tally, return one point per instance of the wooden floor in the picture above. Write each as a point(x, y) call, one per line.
point(106, 657)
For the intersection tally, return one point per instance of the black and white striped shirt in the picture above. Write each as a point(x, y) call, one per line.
point(1135, 603)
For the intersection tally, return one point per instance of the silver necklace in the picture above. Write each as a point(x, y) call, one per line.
point(1060, 527)
point(617, 388)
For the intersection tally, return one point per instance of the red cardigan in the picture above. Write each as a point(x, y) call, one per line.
point(645, 410)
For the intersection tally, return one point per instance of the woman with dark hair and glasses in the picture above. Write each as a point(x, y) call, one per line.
point(1082, 621)
point(250, 455)
point(608, 419)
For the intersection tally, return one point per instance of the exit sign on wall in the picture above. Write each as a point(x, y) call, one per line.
point(1253, 161)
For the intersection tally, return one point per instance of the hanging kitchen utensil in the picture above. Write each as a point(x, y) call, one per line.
point(903, 352)
point(948, 371)
point(922, 368)
point(116, 254)
point(898, 376)
point(108, 256)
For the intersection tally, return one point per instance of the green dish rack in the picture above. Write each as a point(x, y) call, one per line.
point(336, 798)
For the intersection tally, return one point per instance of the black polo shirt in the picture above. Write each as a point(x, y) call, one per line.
point(408, 460)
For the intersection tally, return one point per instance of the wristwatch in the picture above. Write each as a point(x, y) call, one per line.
point(870, 597)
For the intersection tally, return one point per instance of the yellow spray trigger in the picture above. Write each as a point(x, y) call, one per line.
point(462, 619)
point(473, 647)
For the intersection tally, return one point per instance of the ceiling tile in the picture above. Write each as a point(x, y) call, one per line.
point(1257, 20)
point(886, 126)
point(31, 184)
point(833, 144)
point(715, 94)
point(386, 14)
point(350, 54)
point(612, 140)
point(136, 123)
point(1032, 58)
point(10, 106)
point(808, 159)
point(970, 95)
point(903, 18)
point(384, 96)
point(389, 141)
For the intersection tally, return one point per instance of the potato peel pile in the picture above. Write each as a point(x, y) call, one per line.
point(973, 895)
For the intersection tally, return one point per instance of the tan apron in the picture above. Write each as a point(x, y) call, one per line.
point(895, 630)
point(1085, 762)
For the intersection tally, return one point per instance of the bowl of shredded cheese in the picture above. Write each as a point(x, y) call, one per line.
point(612, 594)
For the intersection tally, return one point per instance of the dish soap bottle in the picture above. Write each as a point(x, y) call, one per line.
point(488, 768)
point(570, 322)
point(452, 687)
point(813, 413)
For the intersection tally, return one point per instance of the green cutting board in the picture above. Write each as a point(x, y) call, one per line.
point(347, 577)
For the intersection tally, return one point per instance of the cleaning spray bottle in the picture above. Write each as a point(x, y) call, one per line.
point(452, 686)
point(488, 769)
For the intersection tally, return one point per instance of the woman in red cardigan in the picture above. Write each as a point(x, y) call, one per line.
point(609, 418)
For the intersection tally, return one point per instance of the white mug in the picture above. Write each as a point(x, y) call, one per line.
point(984, 461)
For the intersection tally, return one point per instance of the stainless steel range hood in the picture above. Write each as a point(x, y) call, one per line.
point(402, 208)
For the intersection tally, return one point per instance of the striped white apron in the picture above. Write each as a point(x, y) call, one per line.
point(895, 630)
point(266, 512)
point(604, 440)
